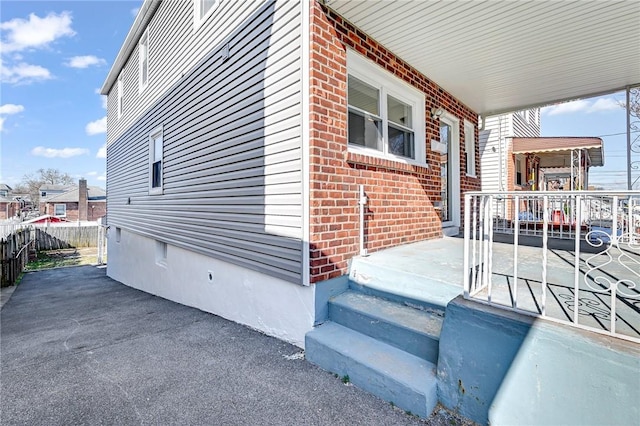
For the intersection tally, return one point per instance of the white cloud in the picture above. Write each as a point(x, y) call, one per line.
point(11, 109)
point(97, 127)
point(23, 73)
point(85, 61)
point(566, 108)
point(102, 177)
point(41, 151)
point(36, 32)
point(102, 152)
point(134, 11)
point(8, 109)
point(92, 174)
point(604, 104)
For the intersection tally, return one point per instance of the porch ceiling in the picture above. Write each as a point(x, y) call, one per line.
point(501, 56)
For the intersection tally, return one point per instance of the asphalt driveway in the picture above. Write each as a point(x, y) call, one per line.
point(79, 348)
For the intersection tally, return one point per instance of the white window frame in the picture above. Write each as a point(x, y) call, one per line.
point(199, 17)
point(390, 85)
point(55, 208)
point(153, 135)
point(470, 147)
point(120, 98)
point(143, 52)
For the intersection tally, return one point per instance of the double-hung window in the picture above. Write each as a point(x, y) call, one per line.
point(156, 148)
point(60, 210)
point(143, 55)
point(385, 115)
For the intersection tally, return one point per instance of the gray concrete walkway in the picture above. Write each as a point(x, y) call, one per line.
point(79, 348)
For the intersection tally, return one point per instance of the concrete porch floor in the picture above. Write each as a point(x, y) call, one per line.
point(432, 271)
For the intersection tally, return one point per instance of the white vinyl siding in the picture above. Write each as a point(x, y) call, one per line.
point(495, 140)
point(232, 142)
point(174, 50)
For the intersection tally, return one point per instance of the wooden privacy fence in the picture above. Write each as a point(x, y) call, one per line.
point(61, 237)
point(14, 248)
point(14, 255)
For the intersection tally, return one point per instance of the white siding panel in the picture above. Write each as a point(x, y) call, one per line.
point(489, 142)
point(232, 168)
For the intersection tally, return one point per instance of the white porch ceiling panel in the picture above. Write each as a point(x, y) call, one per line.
point(499, 56)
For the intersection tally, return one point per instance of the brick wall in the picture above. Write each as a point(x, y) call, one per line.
point(95, 210)
point(401, 197)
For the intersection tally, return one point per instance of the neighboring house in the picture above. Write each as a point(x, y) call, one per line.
point(514, 157)
point(4, 190)
point(553, 163)
point(496, 159)
point(10, 207)
point(50, 190)
point(81, 203)
point(239, 136)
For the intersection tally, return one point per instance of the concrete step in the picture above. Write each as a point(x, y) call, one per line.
point(413, 330)
point(394, 375)
point(397, 282)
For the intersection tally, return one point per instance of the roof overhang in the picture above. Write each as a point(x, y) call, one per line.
point(143, 17)
point(560, 151)
point(504, 56)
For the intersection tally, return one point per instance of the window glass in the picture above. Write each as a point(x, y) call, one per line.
point(363, 96)
point(205, 6)
point(401, 141)
point(60, 210)
point(156, 171)
point(365, 127)
point(364, 131)
point(385, 115)
point(398, 112)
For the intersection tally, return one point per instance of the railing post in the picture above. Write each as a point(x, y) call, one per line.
point(467, 233)
point(545, 244)
point(516, 241)
point(614, 220)
point(576, 283)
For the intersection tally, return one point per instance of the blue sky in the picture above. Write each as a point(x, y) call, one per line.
point(603, 117)
point(55, 56)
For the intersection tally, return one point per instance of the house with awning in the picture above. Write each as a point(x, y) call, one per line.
point(553, 163)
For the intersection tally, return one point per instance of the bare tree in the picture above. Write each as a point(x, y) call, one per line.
point(32, 182)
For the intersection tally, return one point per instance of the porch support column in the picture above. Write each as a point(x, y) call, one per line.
point(628, 108)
